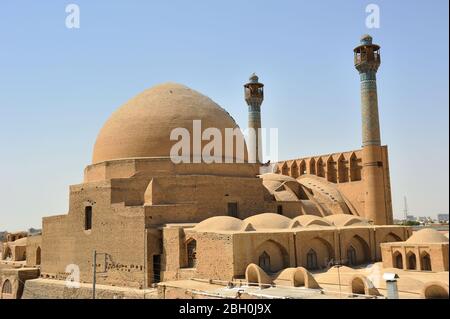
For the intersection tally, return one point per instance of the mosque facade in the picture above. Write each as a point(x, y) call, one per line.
point(139, 219)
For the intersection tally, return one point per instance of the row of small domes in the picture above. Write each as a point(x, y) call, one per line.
point(276, 221)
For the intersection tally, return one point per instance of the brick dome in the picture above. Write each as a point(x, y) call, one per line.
point(141, 127)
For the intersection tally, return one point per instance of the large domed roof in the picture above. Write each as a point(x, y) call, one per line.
point(142, 126)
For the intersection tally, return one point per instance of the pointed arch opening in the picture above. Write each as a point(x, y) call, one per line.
point(285, 169)
point(411, 261)
point(320, 168)
point(343, 170)
point(294, 170)
point(6, 290)
point(331, 170)
point(358, 251)
point(312, 166)
point(302, 168)
point(425, 261)
point(355, 168)
point(319, 253)
point(397, 260)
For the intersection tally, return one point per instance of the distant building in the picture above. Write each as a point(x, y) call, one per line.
point(442, 218)
point(425, 219)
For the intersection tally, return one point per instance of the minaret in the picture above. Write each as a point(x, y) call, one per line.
point(254, 96)
point(367, 61)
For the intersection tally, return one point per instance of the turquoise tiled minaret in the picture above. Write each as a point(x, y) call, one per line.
point(367, 60)
point(254, 96)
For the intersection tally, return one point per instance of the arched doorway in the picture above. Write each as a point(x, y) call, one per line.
point(331, 170)
point(397, 260)
point(285, 169)
point(425, 262)
point(318, 254)
point(342, 169)
point(411, 261)
point(355, 168)
point(6, 290)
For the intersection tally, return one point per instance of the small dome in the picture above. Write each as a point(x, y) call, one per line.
point(268, 221)
point(427, 235)
point(309, 220)
point(142, 126)
point(342, 220)
point(220, 223)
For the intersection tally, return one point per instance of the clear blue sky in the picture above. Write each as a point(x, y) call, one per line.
point(59, 85)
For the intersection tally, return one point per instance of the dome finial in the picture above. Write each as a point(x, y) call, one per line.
point(366, 39)
point(254, 78)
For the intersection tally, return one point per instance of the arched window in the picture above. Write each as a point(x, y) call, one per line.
point(426, 262)
point(398, 260)
point(411, 259)
point(264, 261)
point(88, 217)
point(7, 290)
point(192, 253)
point(351, 256)
point(311, 260)
point(38, 256)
